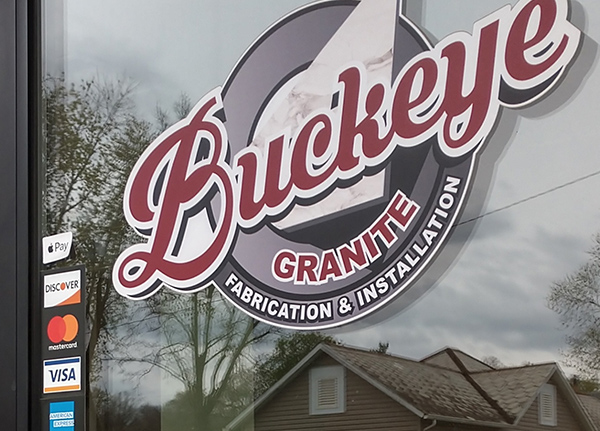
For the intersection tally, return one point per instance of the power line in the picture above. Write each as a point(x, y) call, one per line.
point(530, 198)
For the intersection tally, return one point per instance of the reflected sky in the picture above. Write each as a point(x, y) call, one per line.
point(492, 299)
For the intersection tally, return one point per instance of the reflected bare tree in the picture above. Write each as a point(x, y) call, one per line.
point(493, 362)
point(288, 351)
point(204, 344)
point(207, 348)
point(120, 412)
point(576, 299)
point(93, 138)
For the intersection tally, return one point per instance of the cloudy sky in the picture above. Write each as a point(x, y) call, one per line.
point(492, 300)
point(490, 297)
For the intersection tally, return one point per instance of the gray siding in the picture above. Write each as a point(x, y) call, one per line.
point(366, 409)
point(565, 419)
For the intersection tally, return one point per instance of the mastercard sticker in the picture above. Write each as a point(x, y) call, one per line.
point(62, 329)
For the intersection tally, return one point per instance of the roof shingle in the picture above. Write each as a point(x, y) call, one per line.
point(433, 390)
point(514, 388)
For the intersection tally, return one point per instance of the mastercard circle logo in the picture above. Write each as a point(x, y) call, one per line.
point(63, 328)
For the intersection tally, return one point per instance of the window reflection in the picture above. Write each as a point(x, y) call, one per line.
point(194, 362)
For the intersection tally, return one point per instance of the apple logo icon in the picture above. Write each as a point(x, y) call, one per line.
point(50, 248)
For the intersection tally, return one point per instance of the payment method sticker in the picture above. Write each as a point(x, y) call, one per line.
point(62, 331)
point(62, 416)
point(62, 288)
point(56, 247)
point(62, 375)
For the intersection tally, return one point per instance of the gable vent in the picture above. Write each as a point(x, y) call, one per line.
point(547, 405)
point(327, 395)
point(327, 390)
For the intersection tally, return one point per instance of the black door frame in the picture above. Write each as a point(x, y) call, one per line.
point(19, 30)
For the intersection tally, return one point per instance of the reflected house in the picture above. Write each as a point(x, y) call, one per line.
point(342, 388)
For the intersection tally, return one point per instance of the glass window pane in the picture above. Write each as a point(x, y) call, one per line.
point(515, 282)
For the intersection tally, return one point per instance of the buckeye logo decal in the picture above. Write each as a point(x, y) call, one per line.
point(320, 181)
